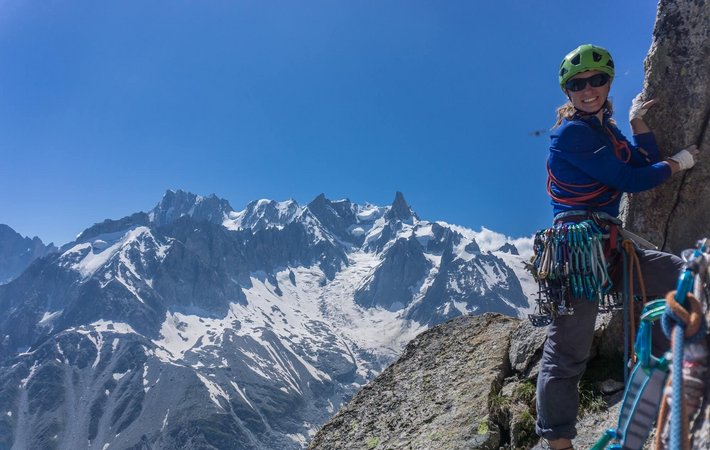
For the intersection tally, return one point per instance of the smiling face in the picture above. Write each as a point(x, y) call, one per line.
point(590, 99)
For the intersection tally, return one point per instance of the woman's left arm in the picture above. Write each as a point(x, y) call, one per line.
point(638, 126)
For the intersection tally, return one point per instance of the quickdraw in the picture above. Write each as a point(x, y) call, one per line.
point(569, 262)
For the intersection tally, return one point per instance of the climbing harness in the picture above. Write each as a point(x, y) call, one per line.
point(570, 261)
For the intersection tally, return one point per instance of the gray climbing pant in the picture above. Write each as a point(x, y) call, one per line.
point(569, 340)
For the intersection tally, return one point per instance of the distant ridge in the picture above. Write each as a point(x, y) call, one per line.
point(17, 252)
point(196, 325)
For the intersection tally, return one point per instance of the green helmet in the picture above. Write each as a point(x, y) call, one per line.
point(583, 58)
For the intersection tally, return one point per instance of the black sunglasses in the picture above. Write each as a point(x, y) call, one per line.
point(578, 84)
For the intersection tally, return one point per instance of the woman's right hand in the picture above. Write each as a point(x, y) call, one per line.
point(684, 159)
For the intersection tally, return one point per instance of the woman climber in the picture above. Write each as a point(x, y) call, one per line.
point(590, 165)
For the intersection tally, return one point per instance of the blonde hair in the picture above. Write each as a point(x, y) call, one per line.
point(568, 111)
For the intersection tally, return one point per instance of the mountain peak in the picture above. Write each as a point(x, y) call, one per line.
point(263, 213)
point(176, 204)
point(509, 248)
point(322, 200)
point(400, 210)
point(337, 216)
point(7, 232)
point(17, 252)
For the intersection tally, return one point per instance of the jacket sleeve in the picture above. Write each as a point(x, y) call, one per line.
point(647, 142)
point(591, 153)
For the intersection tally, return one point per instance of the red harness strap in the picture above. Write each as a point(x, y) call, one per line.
point(613, 241)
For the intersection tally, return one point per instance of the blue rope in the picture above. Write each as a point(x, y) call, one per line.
point(677, 383)
point(627, 332)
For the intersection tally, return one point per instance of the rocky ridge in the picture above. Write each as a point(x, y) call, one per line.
point(470, 384)
point(467, 383)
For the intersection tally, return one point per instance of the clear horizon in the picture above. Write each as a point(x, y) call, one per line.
point(103, 107)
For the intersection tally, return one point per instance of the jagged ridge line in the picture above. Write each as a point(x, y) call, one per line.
point(682, 181)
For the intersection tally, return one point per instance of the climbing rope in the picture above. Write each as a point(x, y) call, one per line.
point(633, 263)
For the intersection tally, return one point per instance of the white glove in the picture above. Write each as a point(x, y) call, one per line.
point(639, 108)
point(686, 158)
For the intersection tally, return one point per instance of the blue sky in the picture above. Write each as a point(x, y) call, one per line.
point(105, 105)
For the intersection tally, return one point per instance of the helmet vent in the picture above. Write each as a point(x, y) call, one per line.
point(563, 71)
point(575, 59)
point(610, 63)
point(597, 57)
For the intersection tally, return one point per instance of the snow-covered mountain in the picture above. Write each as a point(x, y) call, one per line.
point(197, 326)
point(18, 252)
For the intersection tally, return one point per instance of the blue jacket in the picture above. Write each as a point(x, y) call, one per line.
point(583, 160)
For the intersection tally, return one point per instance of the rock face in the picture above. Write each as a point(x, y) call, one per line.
point(17, 253)
point(677, 214)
